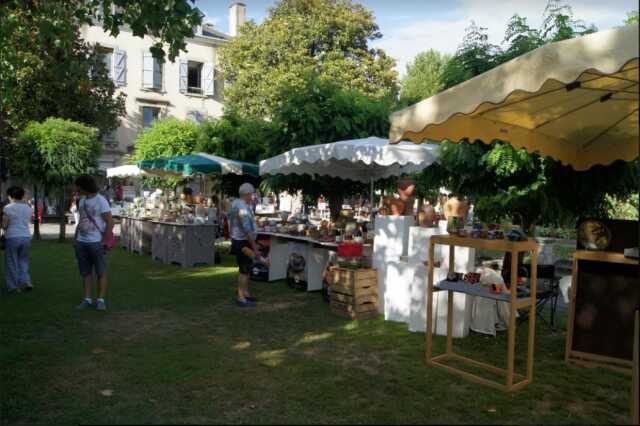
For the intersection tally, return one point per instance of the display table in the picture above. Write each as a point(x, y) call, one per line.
point(316, 254)
point(140, 234)
point(604, 297)
point(183, 244)
point(125, 233)
point(159, 243)
point(514, 248)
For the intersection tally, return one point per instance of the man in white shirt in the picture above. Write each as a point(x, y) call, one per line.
point(95, 228)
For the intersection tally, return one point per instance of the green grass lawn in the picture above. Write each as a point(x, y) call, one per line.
point(174, 349)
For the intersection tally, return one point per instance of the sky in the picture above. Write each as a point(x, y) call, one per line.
point(413, 26)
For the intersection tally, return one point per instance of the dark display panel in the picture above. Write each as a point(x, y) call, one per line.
point(608, 295)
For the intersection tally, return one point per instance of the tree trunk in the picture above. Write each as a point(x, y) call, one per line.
point(36, 222)
point(335, 205)
point(62, 217)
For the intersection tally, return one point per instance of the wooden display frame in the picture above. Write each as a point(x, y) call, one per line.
point(635, 381)
point(584, 358)
point(510, 375)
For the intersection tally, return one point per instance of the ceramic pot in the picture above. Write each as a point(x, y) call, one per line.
point(430, 216)
point(456, 208)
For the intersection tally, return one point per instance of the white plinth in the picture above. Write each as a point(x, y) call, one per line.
point(418, 249)
point(391, 238)
point(397, 297)
point(462, 306)
point(391, 241)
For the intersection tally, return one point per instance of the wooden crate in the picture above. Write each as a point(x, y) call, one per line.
point(354, 293)
point(355, 282)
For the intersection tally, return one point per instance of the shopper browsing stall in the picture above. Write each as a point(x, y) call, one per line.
point(93, 233)
point(243, 236)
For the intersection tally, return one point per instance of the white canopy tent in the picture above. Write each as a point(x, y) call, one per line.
point(362, 160)
point(129, 170)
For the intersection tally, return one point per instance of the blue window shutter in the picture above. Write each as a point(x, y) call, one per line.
point(120, 67)
point(147, 117)
point(184, 75)
point(207, 79)
point(147, 70)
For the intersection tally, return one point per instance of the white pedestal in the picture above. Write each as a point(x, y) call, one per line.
point(397, 297)
point(419, 244)
point(391, 241)
point(462, 304)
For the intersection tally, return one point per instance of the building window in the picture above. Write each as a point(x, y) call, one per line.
point(194, 77)
point(151, 72)
point(109, 139)
point(149, 114)
point(195, 116)
point(106, 56)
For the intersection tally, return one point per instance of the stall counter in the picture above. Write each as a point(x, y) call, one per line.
point(316, 254)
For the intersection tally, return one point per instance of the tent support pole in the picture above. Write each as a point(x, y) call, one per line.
point(372, 194)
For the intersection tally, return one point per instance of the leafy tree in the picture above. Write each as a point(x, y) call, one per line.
point(56, 151)
point(235, 137)
point(424, 76)
point(508, 183)
point(168, 137)
point(320, 112)
point(474, 56)
point(503, 182)
point(300, 37)
point(559, 24)
point(46, 69)
point(632, 18)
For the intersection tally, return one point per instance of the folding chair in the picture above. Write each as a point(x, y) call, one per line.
point(547, 291)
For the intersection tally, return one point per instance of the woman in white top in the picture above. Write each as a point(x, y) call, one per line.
point(15, 221)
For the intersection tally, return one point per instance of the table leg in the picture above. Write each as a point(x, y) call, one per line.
point(452, 267)
point(572, 309)
point(428, 349)
point(532, 315)
point(449, 322)
point(511, 344)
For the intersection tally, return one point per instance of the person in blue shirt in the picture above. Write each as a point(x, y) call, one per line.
point(242, 227)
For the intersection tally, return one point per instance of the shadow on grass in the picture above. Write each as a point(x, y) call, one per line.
point(173, 348)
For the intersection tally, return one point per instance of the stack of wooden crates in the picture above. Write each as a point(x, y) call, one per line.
point(354, 293)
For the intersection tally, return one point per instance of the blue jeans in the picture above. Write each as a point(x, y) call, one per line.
point(16, 262)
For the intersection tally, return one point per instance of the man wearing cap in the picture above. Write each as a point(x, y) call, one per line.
point(243, 234)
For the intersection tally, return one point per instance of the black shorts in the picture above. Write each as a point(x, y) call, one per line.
point(91, 256)
point(244, 262)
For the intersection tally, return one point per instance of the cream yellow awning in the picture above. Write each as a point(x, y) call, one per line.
point(575, 101)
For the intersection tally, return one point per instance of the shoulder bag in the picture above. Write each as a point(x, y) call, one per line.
point(108, 245)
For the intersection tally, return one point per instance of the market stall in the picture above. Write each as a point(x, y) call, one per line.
point(128, 177)
point(176, 229)
point(362, 160)
point(200, 163)
point(575, 101)
point(171, 230)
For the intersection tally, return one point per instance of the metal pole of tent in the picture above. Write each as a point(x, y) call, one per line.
point(372, 195)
